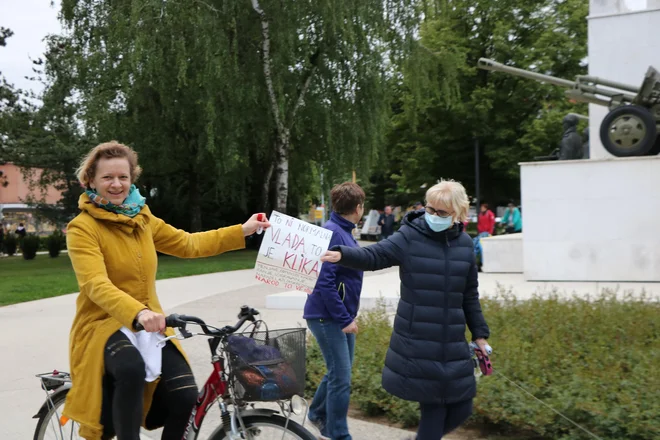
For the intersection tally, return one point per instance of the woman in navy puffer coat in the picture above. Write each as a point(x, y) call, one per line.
point(429, 360)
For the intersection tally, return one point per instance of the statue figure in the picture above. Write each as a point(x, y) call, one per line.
point(585, 145)
point(570, 146)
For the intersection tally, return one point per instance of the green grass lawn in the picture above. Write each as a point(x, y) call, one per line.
point(44, 277)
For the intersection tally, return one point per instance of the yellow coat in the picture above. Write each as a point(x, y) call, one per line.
point(114, 258)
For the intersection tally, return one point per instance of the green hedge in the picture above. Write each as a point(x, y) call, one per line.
point(30, 246)
point(45, 242)
point(596, 362)
point(49, 243)
point(10, 244)
point(55, 243)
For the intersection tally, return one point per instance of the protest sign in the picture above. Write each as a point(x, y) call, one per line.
point(290, 253)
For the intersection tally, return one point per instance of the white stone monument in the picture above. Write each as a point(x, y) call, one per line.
point(597, 219)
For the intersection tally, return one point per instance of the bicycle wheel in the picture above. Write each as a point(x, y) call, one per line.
point(51, 426)
point(270, 428)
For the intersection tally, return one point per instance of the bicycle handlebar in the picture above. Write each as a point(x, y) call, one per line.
point(180, 321)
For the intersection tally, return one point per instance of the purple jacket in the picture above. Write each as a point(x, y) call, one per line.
point(336, 295)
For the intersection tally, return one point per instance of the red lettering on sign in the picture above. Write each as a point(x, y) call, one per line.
point(268, 281)
point(315, 269)
point(275, 234)
point(288, 260)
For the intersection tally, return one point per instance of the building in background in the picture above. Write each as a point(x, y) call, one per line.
point(17, 197)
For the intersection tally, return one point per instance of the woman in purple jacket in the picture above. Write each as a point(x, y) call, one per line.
point(330, 312)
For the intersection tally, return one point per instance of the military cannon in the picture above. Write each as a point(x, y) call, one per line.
point(632, 125)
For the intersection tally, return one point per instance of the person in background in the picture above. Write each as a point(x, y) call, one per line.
point(386, 222)
point(2, 238)
point(20, 231)
point(512, 219)
point(429, 360)
point(417, 206)
point(486, 222)
point(330, 312)
point(485, 228)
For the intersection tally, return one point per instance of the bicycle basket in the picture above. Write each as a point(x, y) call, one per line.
point(267, 365)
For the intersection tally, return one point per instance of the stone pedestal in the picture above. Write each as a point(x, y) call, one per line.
point(591, 220)
point(502, 253)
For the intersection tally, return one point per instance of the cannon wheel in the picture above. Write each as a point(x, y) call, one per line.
point(628, 130)
point(656, 148)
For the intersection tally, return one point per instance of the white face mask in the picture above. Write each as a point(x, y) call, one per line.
point(438, 224)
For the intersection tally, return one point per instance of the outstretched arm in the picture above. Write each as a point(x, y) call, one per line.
point(386, 253)
point(182, 244)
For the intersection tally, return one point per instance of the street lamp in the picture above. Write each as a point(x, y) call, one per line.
point(476, 175)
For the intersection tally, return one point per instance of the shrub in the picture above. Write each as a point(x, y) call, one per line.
point(11, 244)
point(54, 243)
point(45, 240)
point(30, 246)
point(592, 359)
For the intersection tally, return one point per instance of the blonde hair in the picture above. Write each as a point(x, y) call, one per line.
point(452, 194)
point(107, 150)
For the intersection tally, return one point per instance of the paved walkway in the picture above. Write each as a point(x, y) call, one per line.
point(36, 336)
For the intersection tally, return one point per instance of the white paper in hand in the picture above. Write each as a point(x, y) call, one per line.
point(290, 253)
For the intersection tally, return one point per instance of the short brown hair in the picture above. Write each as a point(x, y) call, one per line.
point(107, 150)
point(345, 197)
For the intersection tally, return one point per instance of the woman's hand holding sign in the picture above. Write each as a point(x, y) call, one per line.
point(257, 221)
point(331, 257)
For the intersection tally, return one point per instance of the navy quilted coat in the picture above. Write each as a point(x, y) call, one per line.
point(428, 360)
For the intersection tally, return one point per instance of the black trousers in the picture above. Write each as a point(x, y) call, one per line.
point(438, 420)
point(123, 388)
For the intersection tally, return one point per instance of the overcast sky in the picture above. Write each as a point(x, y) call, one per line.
point(31, 21)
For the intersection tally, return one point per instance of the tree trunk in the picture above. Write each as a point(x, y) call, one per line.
point(195, 204)
point(265, 193)
point(282, 187)
point(283, 126)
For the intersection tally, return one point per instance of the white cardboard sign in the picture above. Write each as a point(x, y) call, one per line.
point(290, 253)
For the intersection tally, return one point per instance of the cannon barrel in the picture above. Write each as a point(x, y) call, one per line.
point(632, 125)
point(487, 64)
point(585, 89)
point(608, 83)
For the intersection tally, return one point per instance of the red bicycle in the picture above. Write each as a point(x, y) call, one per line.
point(235, 382)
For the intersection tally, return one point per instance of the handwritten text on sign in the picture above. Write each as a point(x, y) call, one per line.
point(290, 254)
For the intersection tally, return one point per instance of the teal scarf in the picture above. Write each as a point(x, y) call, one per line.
point(130, 208)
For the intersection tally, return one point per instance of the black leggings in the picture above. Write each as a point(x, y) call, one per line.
point(123, 388)
point(438, 420)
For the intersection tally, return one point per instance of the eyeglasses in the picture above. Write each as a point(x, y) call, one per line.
point(438, 212)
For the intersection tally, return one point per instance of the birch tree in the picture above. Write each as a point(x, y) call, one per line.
point(334, 55)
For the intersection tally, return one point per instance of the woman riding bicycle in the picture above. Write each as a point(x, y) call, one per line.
point(122, 380)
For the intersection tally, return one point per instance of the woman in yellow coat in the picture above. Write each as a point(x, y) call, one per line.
point(122, 379)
